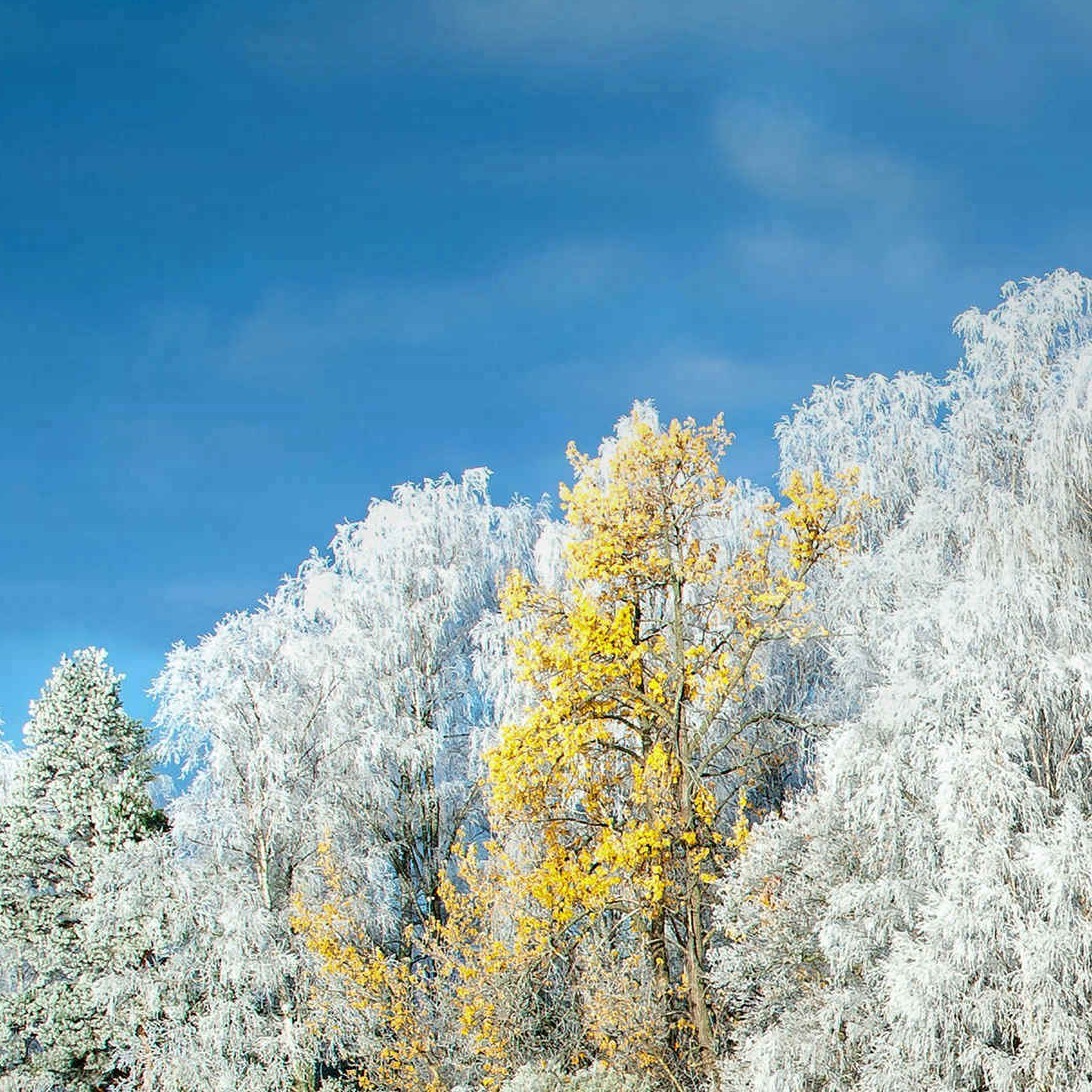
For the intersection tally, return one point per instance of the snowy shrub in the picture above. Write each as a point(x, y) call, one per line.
point(596, 1078)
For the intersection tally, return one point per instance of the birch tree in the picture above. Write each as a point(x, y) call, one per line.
point(920, 918)
point(344, 710)
point(406, 596)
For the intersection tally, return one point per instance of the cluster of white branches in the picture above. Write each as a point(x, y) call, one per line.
point(922, 916)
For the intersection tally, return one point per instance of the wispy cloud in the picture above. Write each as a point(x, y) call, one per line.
point(293, 330)
point(514, 26)
point(784, 155)
point(325, 36)
point(793, 257)
point(312, 37)
point(961, 59)
point(838, 208)
point(1074, 16)
point(596, 29)
point(681, 379)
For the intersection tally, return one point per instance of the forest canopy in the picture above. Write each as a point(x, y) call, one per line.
point(686, 786)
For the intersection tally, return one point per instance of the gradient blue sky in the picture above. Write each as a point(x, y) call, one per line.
point(264, 260)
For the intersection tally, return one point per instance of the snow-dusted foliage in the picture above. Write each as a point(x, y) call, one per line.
point(912, 907)
point(219, 1001)
point(9, 764)
point(408, 601)
point(885, 428)
point(344, 710)
point(79, 798)
point(922, 918)
point(552, 1078)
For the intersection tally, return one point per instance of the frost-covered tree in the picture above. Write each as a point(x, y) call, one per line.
point(551, 1078)
point(246, 713)
point(344, 710)
point(615, 777)
point(408, 598)
point(80, 796)
point(220, 1001)
point(921, 917)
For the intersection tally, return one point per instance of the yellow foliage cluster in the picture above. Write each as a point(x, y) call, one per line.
point(472, 994)
point(497, 959)
point(399, 1048)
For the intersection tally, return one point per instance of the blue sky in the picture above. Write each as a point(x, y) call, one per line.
point(265, 260)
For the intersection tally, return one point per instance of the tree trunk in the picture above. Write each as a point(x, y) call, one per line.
point(694, 971)
point(661, 976)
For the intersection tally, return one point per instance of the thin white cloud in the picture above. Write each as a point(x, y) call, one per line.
point(327, 35)
point(966, 61)
point(593, 30)
point(317, 37)
point(673, 375)
point(784, 155)
point(292, 327)
point(795, 259)
point(841, 212)
point(514, 26)
point(1073, 16)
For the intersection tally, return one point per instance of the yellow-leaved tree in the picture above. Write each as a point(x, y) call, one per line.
point(639, 661)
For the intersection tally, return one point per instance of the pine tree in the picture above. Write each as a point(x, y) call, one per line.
point(80, 795)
